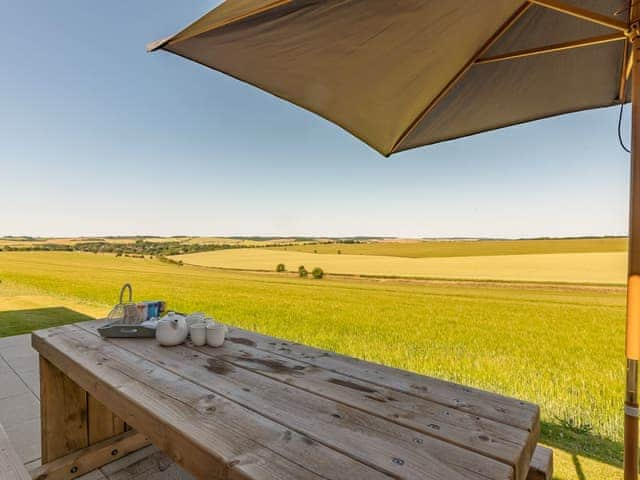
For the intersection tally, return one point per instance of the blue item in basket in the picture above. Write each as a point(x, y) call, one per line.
point(153, 309)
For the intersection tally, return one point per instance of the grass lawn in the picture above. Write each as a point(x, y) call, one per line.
point(458, 248)
point(23, 310)
point(559, 347)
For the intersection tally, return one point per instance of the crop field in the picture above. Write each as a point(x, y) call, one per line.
point(560, 347)
point(248, 242)
point(466, 248)
point(595, 268)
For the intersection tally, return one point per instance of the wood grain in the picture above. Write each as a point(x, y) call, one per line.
point(440, 410)
point(63, 413)
point(103, 423)
point(90, 458)
point(502, 442)
point(489, 405)
point(379, 443)
point(541, 464)
point(205, 433)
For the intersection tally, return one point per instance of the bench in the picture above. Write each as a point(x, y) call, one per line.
point(11, 466)
point(541, 466)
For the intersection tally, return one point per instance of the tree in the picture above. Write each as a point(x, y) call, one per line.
point(302, 271)
point(280, 267)
point(317, 273)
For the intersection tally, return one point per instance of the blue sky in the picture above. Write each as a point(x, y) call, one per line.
point(98, 137)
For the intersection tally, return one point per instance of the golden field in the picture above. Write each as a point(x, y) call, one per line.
point(608, 268)
point(463, 247)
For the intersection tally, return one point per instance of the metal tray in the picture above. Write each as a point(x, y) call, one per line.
point(122, 330)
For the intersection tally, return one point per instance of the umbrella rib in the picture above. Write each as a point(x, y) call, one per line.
point(583, 14)
point(198, 31)
point(627, 59)
point(503, 28)
point(627, 64)
point(558, 47)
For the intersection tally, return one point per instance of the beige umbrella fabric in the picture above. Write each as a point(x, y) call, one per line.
point(399, 74)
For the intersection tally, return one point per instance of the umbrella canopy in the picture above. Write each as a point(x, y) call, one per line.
point(401, 74)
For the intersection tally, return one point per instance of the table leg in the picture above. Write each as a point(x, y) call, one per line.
point(79, 434)
point(103, 423)
point(63, 413)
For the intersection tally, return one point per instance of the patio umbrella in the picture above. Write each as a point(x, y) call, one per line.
point(400, 74)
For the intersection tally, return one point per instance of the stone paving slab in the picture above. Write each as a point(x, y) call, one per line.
point(25, 439)
point(19, 409)
point(19, 406)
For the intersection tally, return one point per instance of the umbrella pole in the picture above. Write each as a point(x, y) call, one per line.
point(633, 280)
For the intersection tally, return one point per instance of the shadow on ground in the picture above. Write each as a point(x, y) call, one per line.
point(582, 444)
point(17, 322)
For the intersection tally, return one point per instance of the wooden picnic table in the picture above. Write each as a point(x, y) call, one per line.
point(265, 408)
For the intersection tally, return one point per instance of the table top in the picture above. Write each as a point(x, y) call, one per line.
point(265, 408)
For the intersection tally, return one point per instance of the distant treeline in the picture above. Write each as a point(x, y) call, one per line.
point(141, 247)
point(137, 248)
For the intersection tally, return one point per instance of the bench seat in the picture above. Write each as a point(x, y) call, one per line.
point(541, 467)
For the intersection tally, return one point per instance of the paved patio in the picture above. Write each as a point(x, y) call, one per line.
point(20, 416)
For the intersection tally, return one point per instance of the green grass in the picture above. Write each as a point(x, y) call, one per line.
point(22, 311)
point(561, 348)
point(460, 248)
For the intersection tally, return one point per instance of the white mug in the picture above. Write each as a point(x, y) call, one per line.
point(196, 317)
point(215, 334)
point(198, 334)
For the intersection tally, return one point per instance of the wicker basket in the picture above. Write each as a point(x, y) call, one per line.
point(124, 312)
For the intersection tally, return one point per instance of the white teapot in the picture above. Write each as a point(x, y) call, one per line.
point(172, 330)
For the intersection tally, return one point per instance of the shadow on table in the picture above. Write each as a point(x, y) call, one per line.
point(17, 322)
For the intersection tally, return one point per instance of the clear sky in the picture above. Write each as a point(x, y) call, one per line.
point(98, 137)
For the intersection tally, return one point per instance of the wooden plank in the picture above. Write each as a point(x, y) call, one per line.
point(506, 443)
point(382, 444)
point(489, 405)
point(63, 413)
point(88, 459)
point(541, 464)
point(205, 433)
point(509, 444)
point(253, 465)
point(11, 467)
point(103, 423)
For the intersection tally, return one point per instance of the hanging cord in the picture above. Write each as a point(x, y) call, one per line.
point(620, 130)
point(626, 8)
